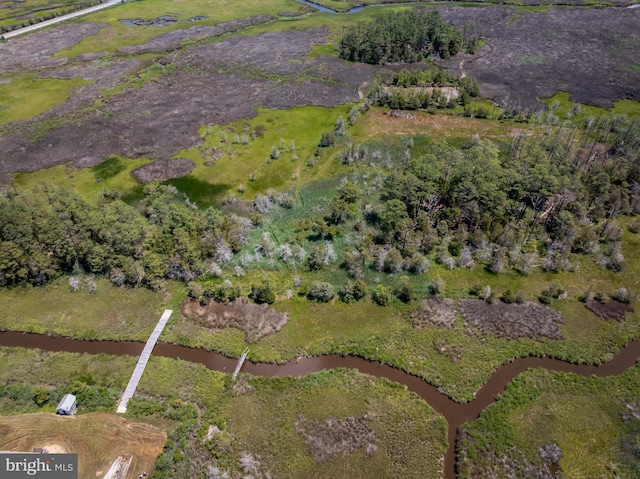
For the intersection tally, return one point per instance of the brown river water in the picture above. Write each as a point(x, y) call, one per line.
point(455, 413)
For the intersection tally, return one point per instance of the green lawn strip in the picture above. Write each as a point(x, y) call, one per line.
point(110, 313)
point(411, 437)
point(376, 126)
point(336, 5)
point(21, 13)
point(561, 106)
point(244, 169)
point(27, 96)
point(581, 415)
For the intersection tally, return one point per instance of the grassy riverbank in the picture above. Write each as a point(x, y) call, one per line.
point(452, 358)
point(589, 419)
point(410, 438)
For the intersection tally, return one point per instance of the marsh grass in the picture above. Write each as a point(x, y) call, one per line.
point(583, 416)
point(561, 105)
point(411, 437)
point(118, 313)
point(27, 96)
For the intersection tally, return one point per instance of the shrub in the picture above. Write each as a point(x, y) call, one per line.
point(586, 296)
point(321, 291)
point(545, 297)
point(508, 297)
point(435, 287)
point(41, 394)
point(405, 293)
point(262, 294)
point(353, 291)
point(601, 297)
point(381, 295)
point(622, 295)
point(519, 297)
point(327, 139)
point(475, 290)
point(552, 291)
point(634, 227)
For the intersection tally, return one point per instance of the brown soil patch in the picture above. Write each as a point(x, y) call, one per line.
point(434, 312)
point(97, 438)
point(536, 54)
point(512, 321)
point(377, 123)
point(55, 449)
point(256, 320)
point(612, 309)
point(326, 440)
point(34, 51)
point(163, 170)
point(217, 83)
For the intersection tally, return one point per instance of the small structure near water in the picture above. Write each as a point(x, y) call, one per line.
point(67, 405)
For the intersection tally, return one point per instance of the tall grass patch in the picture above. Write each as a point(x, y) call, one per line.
point(583, 416)
point(26, 95)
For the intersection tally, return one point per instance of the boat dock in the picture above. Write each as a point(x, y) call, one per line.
point(240, 363)
point(142, 362)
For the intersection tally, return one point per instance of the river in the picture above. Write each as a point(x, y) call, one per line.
point(455, 413)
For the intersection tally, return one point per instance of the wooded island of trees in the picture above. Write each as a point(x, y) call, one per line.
point(401, 37)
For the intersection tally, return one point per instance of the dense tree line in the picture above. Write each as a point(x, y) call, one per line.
point(51, 231)
point(523, 205)
point(527, 203)
point(408, 36)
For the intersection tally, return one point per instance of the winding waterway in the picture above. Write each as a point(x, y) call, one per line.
point(322, 8)
point(455, 413)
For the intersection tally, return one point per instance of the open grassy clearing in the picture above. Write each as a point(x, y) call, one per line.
point(26, 95)
point(583, 416)
point(113, 313)
point(97, 438)
point(227, 166)
point(377, 123)
point(410, 437)
point(224, 166)
point(566, 110)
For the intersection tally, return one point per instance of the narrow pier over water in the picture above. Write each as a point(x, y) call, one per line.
point(142, 361)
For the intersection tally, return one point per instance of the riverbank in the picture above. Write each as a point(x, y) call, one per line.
point(460, 363)
point(456, 414)
point(259, 417)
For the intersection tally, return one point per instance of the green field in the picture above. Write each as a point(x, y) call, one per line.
point(583, 416)
point(410, 437)
point(18, 14)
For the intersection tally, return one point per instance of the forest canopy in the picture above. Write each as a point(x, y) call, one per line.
point(526, 204)
point(401, 37)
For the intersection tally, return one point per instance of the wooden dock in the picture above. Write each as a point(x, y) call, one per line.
point(142, 362)
point(240, 363)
